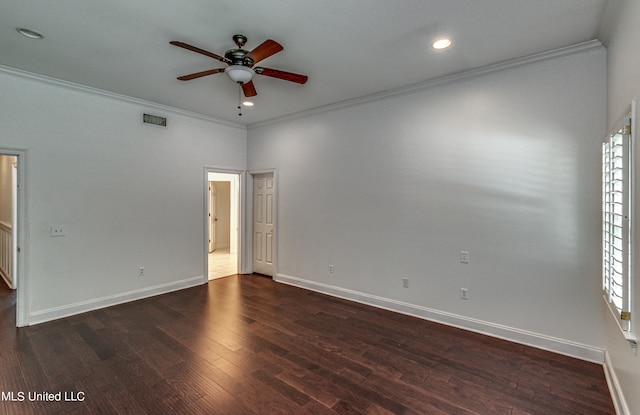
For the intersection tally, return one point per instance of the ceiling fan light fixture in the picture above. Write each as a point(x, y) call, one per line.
point(239, 74)
point(442, 43)
point(248, 104)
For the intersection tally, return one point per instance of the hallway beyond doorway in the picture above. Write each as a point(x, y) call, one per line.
point(223, 223)
point(222, 263)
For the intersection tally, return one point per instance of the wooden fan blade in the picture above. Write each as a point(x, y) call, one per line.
point(266, 49)
point(249, 89)
point(200, 51)
point(200, 74)
point(286, 76)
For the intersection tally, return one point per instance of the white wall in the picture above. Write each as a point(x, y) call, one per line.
point(623, 58)
point(129, 195)
point(504, 165)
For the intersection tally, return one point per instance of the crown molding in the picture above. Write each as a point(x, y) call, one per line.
point(583, 47)
point(579, 48)
point(112, 95)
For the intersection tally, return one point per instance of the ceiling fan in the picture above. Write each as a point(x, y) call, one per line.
point(241, 63)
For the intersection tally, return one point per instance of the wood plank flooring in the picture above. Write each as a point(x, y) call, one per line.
point(247, 345)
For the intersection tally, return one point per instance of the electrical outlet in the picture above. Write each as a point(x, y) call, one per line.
point(331, 269)
point(464, 293)
point(405, 282)
point(57, 230)
point(464, 257)
point(141, 272)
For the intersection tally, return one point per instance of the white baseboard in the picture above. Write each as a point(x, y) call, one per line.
point(540, 341)
point(619, 403)
point(54, 313)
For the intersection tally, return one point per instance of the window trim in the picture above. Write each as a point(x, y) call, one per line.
point(629, 331)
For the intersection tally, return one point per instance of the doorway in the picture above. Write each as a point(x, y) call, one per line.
point(223, 224)
point(12, 236)
point(8, 219)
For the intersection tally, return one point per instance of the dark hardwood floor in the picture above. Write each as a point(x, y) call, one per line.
point(247, 345)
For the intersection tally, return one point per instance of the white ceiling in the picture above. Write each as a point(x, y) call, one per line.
point(348, 48)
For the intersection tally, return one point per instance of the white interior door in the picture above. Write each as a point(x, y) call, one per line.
point(263, 200)
point(212, 216)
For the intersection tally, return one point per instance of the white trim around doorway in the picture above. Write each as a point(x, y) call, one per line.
point(242, 249)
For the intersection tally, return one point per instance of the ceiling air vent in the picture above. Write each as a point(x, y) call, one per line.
point(154, 120)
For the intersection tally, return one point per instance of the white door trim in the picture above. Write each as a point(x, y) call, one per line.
point(21, 265)
point(241, 216)
point(249, 220)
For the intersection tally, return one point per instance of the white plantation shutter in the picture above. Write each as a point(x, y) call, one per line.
point(616, 244)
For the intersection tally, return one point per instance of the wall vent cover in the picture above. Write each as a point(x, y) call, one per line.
point(154, 120)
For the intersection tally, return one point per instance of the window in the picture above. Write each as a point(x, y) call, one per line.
point(616, 225)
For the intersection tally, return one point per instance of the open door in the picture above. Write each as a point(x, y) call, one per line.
point(212, 216)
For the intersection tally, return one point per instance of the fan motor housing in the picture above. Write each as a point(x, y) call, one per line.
point(238, 57)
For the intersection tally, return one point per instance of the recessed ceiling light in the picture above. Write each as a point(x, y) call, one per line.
point(442, 43)
point(29, 33)
point(247, 104)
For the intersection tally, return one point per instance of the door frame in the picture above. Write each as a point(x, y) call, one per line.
point(249, 220)
point(22, 248)
point(241, 217)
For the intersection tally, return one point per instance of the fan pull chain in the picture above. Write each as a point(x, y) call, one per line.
point(239, 99)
